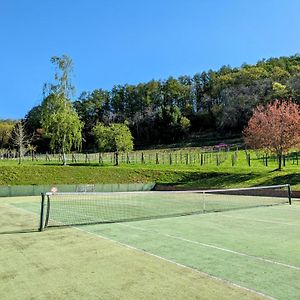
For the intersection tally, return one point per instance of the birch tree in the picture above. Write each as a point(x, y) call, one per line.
point(59, 118)
point(20, 140)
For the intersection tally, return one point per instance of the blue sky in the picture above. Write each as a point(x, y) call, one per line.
point(130, 41)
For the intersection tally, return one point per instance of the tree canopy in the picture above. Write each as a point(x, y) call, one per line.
point(113, 138)
point(221, 100)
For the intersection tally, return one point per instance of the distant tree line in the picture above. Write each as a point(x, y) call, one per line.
point(166, 111)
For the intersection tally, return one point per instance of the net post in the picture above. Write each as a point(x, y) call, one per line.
point(41, 227)
point(289, 194)
point(48, 211)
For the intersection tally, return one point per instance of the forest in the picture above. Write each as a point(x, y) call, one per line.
point(166, 111)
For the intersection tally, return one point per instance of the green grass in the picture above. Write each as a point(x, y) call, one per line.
point(193, 175)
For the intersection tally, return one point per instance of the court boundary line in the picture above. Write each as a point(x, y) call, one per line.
point(215, 247)
point(225, 281)
point(261, 220)
point(25, 211)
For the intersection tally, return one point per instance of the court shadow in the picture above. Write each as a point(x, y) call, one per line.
point(19, 231)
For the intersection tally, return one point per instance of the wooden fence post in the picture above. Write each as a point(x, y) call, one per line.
point(128, 159)
point(143, 159)
point(100, 158)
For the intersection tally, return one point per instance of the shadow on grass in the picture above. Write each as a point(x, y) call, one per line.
point(292, 179)
point(212, 179)
point(73, 164)
point(86, 165)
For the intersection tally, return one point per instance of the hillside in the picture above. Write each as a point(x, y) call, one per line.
point(167, 111)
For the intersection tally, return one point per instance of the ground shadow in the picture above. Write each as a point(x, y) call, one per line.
point(212, 179)
point(30, 230)
point(74, 164)
point(292, 179)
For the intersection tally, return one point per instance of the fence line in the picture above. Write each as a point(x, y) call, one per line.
point(156, 157)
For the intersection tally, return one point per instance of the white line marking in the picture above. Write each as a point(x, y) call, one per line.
point(176, 263)
point(260, 220)
point(215, 247)
point(21, 209)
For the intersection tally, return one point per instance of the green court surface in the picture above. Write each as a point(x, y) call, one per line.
point(237, 254)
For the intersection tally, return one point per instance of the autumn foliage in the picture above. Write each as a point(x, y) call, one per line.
point(274, 128)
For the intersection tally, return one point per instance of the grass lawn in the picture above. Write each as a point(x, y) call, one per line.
point(192, 175)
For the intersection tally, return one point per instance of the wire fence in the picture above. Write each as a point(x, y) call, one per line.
point(197, 156)
point(173, 157)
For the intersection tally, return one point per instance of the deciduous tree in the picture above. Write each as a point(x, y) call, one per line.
point(275, 128)
point(59, 118)
point(115, 137)
point(19, 139)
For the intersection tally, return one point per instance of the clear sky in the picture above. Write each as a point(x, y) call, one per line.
point(130, 41)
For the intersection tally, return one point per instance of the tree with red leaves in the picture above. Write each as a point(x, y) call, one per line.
point(274, 128)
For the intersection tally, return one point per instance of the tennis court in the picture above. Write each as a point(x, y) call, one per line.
point(232, 254)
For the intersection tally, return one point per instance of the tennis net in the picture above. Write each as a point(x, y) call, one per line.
point(82, 208)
